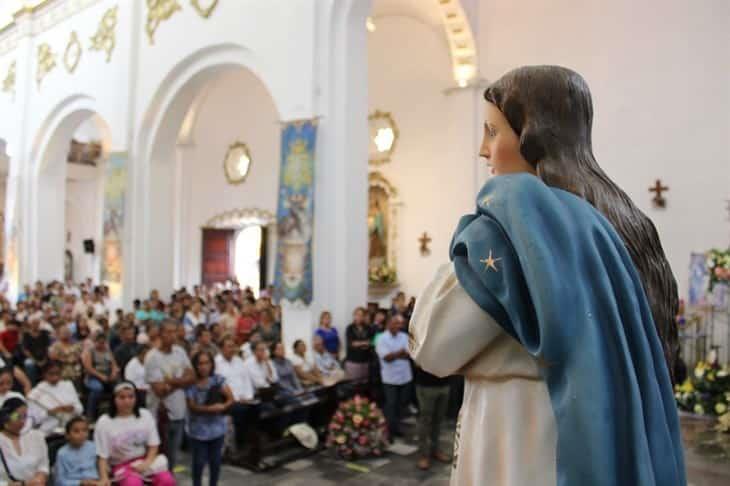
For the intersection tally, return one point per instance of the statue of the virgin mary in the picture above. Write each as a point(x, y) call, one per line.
point(558, 308)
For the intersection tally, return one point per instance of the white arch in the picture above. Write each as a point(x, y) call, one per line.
point(60, 124)
point(46, 240)
point(173, 108)
point(185, 79)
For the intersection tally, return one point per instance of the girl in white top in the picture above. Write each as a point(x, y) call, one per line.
point(53, 402)
point(127, 441)
point(25, 455)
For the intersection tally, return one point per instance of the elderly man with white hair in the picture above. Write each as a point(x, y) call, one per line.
point(327, 365)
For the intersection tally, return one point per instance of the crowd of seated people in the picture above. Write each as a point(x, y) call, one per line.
point(206, 367)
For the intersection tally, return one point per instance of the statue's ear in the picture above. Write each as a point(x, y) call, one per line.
point(532, 143)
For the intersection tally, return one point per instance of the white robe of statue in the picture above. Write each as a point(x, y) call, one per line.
point(506, 434)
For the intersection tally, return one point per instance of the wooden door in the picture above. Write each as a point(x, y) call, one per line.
point(217, 259)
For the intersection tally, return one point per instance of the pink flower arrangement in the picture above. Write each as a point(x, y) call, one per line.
point(357, 430)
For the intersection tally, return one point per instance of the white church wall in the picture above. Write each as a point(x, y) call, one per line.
point(237, 108)
point(432, 166)
point(659, 76)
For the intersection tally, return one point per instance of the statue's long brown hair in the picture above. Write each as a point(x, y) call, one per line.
point(550, 109)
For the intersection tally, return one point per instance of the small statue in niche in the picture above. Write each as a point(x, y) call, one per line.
point(377, 254)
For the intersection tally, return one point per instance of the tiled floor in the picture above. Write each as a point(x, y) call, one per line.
point(707, 455)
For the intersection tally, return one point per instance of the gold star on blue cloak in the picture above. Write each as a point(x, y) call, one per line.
point(490, 262)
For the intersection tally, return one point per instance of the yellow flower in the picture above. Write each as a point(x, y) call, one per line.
point(686, 386)
point(720, 408)
point(724, 423)
point(699, 409)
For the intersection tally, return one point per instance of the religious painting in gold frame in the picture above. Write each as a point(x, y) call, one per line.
point(383, 205)
point(237, 163)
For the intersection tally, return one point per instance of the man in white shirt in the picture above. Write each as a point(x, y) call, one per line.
point(168, 371)
point(395, 371)
point(244, 410)
point(260, 368)
point(234, 370)
point(326, 364)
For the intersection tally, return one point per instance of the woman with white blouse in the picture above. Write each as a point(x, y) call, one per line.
point(127, 442)
point(53, 401)
point(24, 457)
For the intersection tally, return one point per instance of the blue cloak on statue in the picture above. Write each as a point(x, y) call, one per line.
point(555, 275)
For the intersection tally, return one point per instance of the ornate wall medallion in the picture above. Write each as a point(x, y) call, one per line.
point(237, 163)
point(383, 137)
point(9, 81)
point(72, 54)
point(46, 62)
point(105, 37)
point(157, 12)
point(204, 7)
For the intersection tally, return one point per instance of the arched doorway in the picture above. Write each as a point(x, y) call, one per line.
point(68, 194)
point(204, 113)
point(250, 250)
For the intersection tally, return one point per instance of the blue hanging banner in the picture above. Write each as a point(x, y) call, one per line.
point(295, 213)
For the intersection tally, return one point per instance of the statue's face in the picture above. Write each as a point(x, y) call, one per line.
point(501, 145)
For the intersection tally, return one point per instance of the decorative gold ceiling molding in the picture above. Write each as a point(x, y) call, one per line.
point(9, 81)
point(46, 62)
point(461, 41)
point(105, 37)
point(157, 12)
point(31, 9)
point(39, 18)
point(204, 7)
